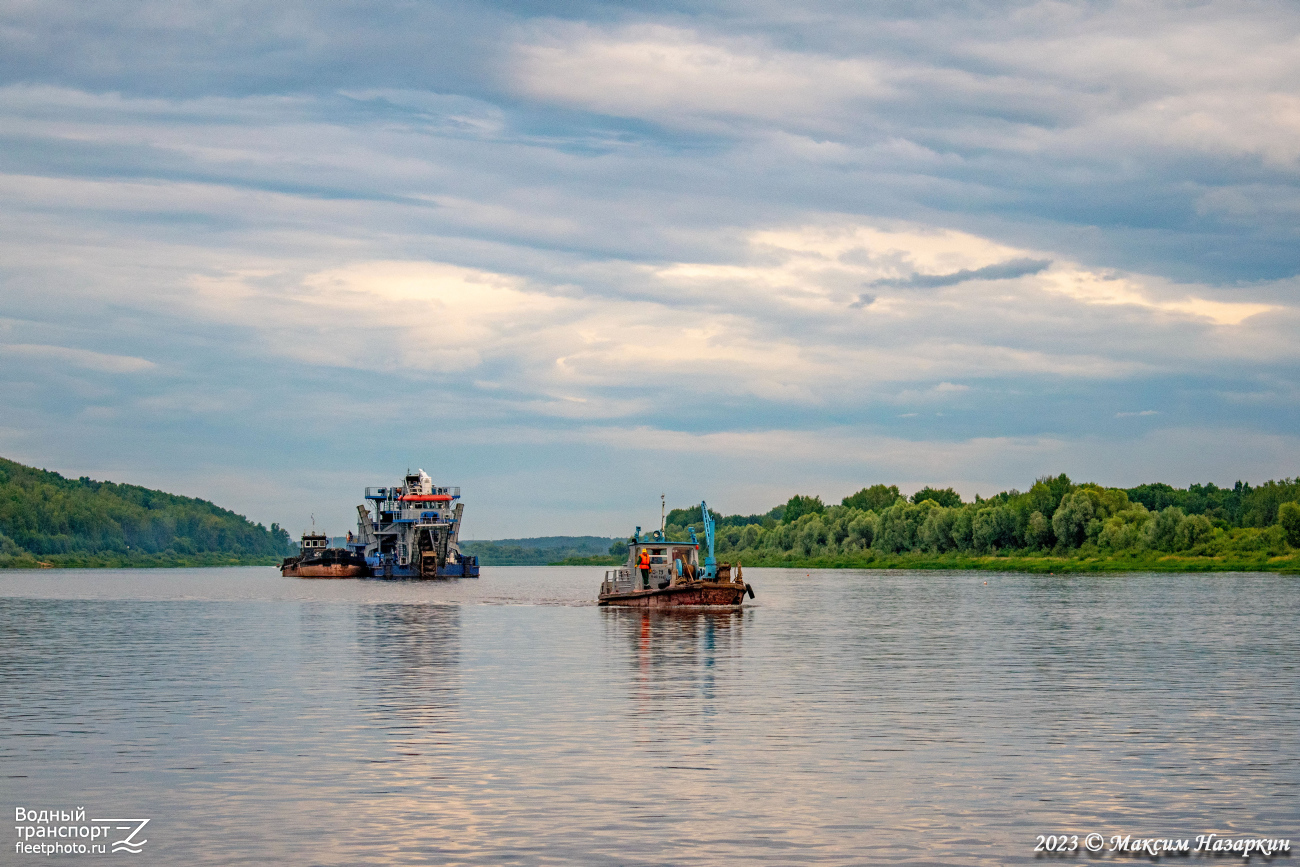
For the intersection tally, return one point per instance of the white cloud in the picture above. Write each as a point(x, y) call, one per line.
point(677, 76)
point(1127, 77)
point(1107, 289)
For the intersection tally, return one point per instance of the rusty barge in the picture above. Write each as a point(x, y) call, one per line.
point(318, 560)
point(664, 574)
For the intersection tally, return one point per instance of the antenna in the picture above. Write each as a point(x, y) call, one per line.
point(663, 526)
point(313, 523)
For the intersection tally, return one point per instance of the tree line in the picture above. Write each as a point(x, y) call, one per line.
point(48, 517)
point(539, 551)
point(1055, 516)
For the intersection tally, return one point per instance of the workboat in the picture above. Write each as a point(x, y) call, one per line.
point(318, 560)
point(414, 531)
point(674, 577)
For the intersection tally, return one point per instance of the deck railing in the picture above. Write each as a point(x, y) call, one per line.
point(618, 581)
point(395, 491)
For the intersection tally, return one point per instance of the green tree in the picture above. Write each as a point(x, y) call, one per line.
point(1288, 517)
point(1155, 496)
point(1262, 504)
point(1161, 532)
point(1038, 532)
point(1191, 531)
point(994, 528)
point(812, 535)
point(1124, 530)
point(876, 498)
point(935, 534)
point(862, 529)
point(798, 506)
point(898, 527)
point(1070, 522)
point(1047, 493)
point(963, 531)
point(946, 497)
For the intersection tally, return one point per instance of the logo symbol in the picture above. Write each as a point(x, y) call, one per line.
point(127, 843)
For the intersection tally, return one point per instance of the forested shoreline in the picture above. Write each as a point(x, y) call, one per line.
point(49, 520)
point(1057, 525)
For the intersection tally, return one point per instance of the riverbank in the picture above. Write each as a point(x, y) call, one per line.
point(1044, 564)
point(132, 561)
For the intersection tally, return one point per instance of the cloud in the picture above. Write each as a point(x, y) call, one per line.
point(768, 327)
point(1001, 271)
point(678, 77)
point(1107, 289)
point(78, 358)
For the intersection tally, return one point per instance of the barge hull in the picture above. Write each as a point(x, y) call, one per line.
point(686, 595)
point(334, 570)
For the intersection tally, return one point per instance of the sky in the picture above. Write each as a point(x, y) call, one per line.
point(572, 256)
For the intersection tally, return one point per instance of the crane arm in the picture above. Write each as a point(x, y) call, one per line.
point(710, 564)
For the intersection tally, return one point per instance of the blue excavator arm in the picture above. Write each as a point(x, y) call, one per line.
point(710, 563)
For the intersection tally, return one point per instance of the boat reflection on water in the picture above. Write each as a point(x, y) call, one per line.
point(679, 660)
point(409, 657)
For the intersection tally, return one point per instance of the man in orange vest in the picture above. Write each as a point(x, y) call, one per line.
point(643, 563)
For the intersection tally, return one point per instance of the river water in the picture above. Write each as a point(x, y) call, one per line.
point(843, 717)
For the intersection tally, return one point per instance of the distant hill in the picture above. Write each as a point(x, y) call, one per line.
point(540, 550)
point(46, 518)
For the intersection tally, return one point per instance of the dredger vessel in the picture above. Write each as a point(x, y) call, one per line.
point(408, 530)
point(413, 531)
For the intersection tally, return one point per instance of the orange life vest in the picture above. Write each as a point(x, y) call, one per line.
point(644, 562)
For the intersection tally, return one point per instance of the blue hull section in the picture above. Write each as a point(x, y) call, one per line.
point(395, 572)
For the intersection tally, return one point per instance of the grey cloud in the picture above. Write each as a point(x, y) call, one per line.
point(1001, 271)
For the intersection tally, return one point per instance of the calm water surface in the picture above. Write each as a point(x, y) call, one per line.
point(843, 718)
